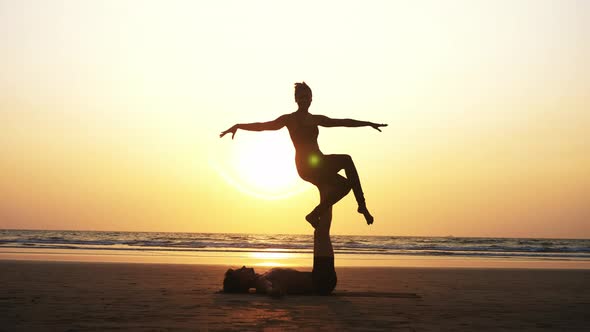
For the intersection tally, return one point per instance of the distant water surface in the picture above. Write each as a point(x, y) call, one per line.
point(549, 249)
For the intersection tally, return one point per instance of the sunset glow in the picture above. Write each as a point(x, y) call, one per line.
point(261, 165)
point(110, 114)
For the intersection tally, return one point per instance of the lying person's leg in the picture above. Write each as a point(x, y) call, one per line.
point(323, 274)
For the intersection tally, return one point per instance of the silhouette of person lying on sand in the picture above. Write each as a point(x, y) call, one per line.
point(274, 282)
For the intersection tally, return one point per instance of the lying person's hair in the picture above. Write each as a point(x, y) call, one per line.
point(234, 282)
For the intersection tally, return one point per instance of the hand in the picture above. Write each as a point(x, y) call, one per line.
point(377, 125)
point(231, 130)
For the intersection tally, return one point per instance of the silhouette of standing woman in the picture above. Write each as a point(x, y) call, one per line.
point(321, 170)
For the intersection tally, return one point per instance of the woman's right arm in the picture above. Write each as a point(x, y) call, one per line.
point(275, 124)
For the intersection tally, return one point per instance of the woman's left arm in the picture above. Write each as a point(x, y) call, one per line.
point(325, 121)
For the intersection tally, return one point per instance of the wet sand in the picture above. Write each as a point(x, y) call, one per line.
point(62, 296)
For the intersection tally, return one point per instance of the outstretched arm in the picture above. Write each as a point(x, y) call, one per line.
point(275, 124)
point(325, 121)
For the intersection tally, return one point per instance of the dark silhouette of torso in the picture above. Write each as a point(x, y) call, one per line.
point(289, 281)
point(304, 135)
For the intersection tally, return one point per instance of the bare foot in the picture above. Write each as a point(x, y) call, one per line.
point(368, 217)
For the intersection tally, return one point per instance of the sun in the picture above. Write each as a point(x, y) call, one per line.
point(263, 165)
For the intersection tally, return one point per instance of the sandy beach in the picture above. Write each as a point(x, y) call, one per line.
point(74, 296)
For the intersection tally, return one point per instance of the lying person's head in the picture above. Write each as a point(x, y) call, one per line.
point(239, 280)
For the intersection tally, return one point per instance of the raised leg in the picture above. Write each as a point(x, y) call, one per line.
point(344, 161)
point(321, 236)
point(324, 274)
point(332, 165)
point(322, 244)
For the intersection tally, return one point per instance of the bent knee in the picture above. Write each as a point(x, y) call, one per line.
point(346, 158)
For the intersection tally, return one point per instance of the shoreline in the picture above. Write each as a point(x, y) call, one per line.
point(282, 259)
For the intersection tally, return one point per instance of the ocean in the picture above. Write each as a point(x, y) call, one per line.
point(374, 246)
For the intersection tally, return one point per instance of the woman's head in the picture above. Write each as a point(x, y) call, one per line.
point(302, 94)
point(239, 280)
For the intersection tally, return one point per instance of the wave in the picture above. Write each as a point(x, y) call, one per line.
point(359, 245)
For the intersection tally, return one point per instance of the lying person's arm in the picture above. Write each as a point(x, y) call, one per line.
point(265, 286)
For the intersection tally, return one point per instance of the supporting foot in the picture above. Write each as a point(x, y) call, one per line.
point(365, 212)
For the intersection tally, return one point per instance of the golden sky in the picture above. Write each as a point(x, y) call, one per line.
point(110, 113)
